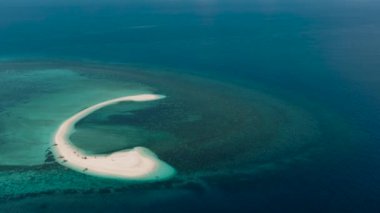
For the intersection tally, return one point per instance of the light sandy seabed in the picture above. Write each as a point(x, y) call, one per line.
point(41, 99)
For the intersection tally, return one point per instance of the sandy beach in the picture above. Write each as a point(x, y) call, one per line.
point(138, 164)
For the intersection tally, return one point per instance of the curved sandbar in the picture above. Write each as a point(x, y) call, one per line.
point(138, 163)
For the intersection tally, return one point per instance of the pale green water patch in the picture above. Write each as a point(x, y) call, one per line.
point(37, 101)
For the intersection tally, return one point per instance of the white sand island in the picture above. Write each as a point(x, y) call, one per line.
point(138, 164)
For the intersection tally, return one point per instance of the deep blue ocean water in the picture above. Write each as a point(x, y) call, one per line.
point(322, 56)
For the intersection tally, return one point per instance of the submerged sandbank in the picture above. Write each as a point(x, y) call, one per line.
point(138, 163)
point(29, 119)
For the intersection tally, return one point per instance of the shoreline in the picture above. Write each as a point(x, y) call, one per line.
point(137, 164)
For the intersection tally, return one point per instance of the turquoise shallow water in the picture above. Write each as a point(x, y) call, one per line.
point(270, 106)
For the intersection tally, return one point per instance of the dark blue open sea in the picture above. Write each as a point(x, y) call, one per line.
point(272, 106)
